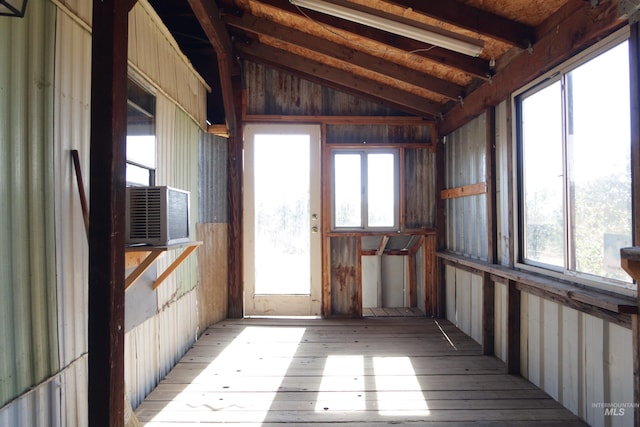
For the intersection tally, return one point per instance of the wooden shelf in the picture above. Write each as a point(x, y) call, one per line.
point(630, 262)
point(144, 256)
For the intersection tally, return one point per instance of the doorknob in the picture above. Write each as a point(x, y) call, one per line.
point(314, 229)
point(314, 217)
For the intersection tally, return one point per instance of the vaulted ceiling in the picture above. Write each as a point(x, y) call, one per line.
point(409, 75)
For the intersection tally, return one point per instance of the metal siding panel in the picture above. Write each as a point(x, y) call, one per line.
point(28, 346)
point(72, 117)
point(185, 166)
point(620, 363)
point(593, 376)
point(154, 52)
point(502, 183)
point(212, 171)
point(271, 91)
point(465, 159)
point(571, 366)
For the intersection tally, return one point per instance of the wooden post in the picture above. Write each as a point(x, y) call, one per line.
point(107, 212)
point(634, 60)
point(235, 302)
point(513, 328)
point(488, 287)
point(441, 293)
point(488, 314)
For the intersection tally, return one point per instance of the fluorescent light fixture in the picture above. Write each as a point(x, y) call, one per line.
point(461, 44)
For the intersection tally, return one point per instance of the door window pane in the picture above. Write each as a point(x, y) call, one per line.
point(282, 214)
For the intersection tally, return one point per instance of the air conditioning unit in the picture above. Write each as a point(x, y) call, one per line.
point(157, 216)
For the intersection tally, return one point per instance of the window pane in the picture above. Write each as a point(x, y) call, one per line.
point(599, 159)
point(137, 175)
point(141, 133)
point(543, 176)
point(347, 190)
point(381, 190)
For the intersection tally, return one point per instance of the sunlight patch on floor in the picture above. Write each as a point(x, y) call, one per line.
point(344, 375)
point(399, 392)
point(254, 346)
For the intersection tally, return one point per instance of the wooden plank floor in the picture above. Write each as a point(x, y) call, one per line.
point(364, 372)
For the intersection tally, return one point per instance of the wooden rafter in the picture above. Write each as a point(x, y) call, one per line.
point(263, 27)
point(474, 19)
point(475, 67)
point(338, 79)
point(578, 31)
point(208, 16)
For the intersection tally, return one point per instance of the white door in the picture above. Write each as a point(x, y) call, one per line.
point(282, 236)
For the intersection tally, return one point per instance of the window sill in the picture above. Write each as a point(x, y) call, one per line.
point(617, 307)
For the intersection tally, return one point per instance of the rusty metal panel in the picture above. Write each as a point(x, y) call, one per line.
point(212, 172)
point(345, 276)
point(271, 91)
point(378, 133)
point(420, 186)
point(465, 152)
point(28, 320)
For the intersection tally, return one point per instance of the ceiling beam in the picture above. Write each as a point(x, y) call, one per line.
point(475, 67)
point(339, 79)
point(263, 27)
point(576, 32)
point(208, 16)
point(471, 18)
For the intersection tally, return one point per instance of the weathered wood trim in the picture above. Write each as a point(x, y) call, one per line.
point(491, 176)
point(208, 16)
point(464, 191)
point(235, 304)
point(107, 215)
point(578, 31)
point(488, 314)
point(605, 306)
point(634, 59)
point(430, 276)
point(413, 283)
point(341, 120)
point(513, 328)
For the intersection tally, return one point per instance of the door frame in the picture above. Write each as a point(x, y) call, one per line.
point(283, 305)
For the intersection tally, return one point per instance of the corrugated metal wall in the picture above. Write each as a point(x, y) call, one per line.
point(154, 52)
point(212, 170)
point(72, 126)
point(420, 188)
point(28, 336)
point(271, 91)
point(576, 358)
point(465, 152)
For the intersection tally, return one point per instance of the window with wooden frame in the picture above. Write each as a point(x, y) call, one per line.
point(364, 189)
point(141, 136)
point(575, 168)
